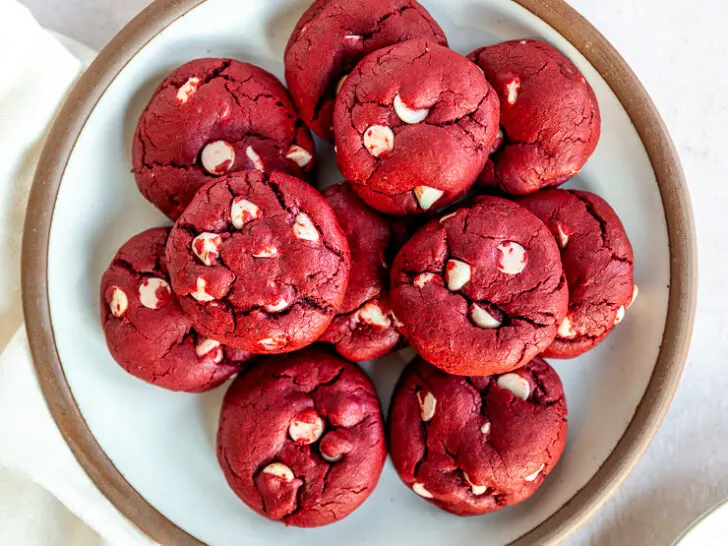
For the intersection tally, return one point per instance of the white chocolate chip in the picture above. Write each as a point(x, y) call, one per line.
point(372, 315)
point(512, 259)
point(154, 293)
point(206, 247)
point(566, 329)
point(427, 196)
point(523, 42)
point(243, 211)
point(476, 489)
point(272, 343)
point(561, 237)
point(378, 140)
point(421, 490)
point(427, 405)
point(277, 306)
point(532, 477)
point(304, 228)
point(210, 347)
point(352, 40)
point(268, 251)
point(620, 315)
point(119, 302)
point(331, 459)
point(279, 470)
point(635, 293)
point(306, 427)
point(218, 157)
point(200, 293)
point(254, 158)
point(408, 115)
point(423, 278)
point(448, 216)
point(485, 429)
point(187, 89)
point(397, 323)
point(457, 274)
point(482, 318)
point(513, 87)
point(299, 155)
point(498, 142)
point(340, 83)
point(516, 384)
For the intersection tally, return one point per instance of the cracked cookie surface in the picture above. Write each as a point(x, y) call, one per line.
point(481, 290)
point(211, 117)
point(332, 36)
point(301, 438)
point(598, 262)
point(259, 262)
point(414, 123)
point(472, 445)
point(146, 331)
point(549, 116)
point(364, 328)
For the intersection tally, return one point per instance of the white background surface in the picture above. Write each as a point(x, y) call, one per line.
point(677, 49)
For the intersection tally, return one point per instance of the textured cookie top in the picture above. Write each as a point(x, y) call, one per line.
point(332, 36)
point(259, 261)
point(414, 124)
point(549, 116)
point(481, 290)
point(301, 438)
point(211, 117)
point(472, 445)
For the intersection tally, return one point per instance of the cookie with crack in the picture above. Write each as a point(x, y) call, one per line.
point(550, 121)
point(480, 291)
point(301, 438)
point(146, 331)
point(332, 36)
point(598, 262)
point(211, 117)
point(472, 445)
point(259, 262)
point(364, 328)
point(414, 123)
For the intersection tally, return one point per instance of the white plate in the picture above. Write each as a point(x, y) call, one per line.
point(163, 442)
point(710, 529)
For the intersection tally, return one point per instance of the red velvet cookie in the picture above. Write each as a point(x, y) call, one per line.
point(146, 331)
point(259, 262)
point(549, 116)
point(364, 327)
point(211, 117)
point(472, 445)
point(332, 36)
point(480, 291)
point(414, 124)
point(598, 263)
point(301, 438)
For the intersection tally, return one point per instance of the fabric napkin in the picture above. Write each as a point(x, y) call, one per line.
point(46, 498)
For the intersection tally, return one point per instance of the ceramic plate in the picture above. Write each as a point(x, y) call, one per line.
point(153, 452)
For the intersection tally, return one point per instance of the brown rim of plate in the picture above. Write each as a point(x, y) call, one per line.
point(676, 203)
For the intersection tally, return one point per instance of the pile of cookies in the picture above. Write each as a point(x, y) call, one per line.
point(448, 235)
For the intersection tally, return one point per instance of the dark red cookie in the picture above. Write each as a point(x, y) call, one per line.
point(549, 116)
point(480, 291)
point(414, 124)
point(598, 263)
point(364, 327)
point(259, 262)
point(332, 36)
point(472, 445)
point(210, 117)
point(146, 330)
point(301, 438)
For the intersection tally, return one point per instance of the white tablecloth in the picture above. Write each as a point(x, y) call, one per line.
point(678, 50)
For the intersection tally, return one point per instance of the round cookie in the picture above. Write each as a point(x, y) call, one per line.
point(332, 36)
point(598, 262)
point(472, 445)
point(146, 331)
point(364, 327)
point(211, 117)
point(259, 262)
point(301, 438)
point(414, 123)
point(550, 121)
point(480, 291)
